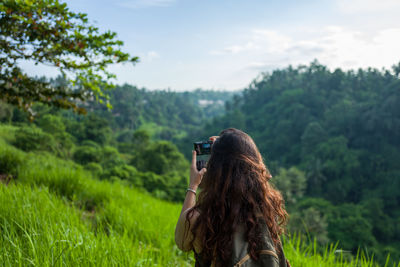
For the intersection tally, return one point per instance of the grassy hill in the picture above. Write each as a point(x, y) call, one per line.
point(54, 213)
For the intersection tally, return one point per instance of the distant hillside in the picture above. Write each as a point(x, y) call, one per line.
point(173, 111)
point(166, 115)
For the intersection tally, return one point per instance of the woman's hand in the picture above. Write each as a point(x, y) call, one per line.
point(213, 138)
point(195, 175)
point(183, 235)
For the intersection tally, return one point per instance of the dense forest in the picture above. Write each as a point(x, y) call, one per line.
point(330, 139)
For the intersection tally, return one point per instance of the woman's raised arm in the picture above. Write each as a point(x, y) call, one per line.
point(183, 235)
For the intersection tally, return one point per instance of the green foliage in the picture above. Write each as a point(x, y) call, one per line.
point(162, 169)
point(125, 136)
point(340, 164)
point(166, 115)
point(6, 112)
point(313, 135)
point(310, 218)
point(86, 154)
point(374, 210)
point(96, 129)
point(51, 124)
point(141, 139)
point(54, 125)
point(10, 160)
point(348, 225)
point(110, 157)
point(47, 32)
point(106, 156)
point(171, 186)
point(123, 172)
point(7, 134)
point(292, 183)
point(32, 138)
point(94, 168)
point(89, 128)
point(311, 223)
point(160, 157)
point(90, 143)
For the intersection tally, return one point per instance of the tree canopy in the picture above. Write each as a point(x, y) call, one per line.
point(47, 32)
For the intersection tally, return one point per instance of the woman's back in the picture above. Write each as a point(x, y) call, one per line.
point(268, 254)
point(238, 216)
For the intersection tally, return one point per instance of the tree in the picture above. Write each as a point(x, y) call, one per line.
point(160, 157)
point(6, 112)
point(86, 154)
point(33, 138)
point(47, 32)
point(292, 184)
point(52, 124)
point(310, 222)
point(96, 129)
point(348, 225)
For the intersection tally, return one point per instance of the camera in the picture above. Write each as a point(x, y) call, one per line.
point(202, 148)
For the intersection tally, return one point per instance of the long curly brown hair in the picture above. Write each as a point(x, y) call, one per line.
point(235, 191)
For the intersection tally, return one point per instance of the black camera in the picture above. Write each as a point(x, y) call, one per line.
point(202, 148)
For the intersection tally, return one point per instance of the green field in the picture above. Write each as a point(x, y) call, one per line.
point(54, 213)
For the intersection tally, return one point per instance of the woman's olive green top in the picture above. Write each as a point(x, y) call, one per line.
point(269, 256)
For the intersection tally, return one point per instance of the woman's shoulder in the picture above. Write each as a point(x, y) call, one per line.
point(193, 215)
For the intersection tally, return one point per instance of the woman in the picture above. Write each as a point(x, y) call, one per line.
point(239, 217)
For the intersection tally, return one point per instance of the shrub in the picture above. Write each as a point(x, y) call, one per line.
point(10, 161)
point(123, 172)
point(86, 154)
point(65, 144)
point(94, 168)
point(90, 143)
point(51, 124)
point(160, 157)
point(125, 136)
point(30, 138)
point(110, 157)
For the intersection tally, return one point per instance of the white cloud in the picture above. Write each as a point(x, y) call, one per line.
point(362, 6)
point(146, 3)
point(354, 49)
point(333, 46)
point(260, 40)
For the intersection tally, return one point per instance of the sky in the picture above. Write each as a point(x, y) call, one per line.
point(226, 44)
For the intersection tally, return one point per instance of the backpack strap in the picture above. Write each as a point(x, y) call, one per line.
point(247, 257)
point(269, 252)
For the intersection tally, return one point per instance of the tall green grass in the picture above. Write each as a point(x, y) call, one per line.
point(40, 229)
point(56, 214)
point(305, 253)
point(56, 210)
